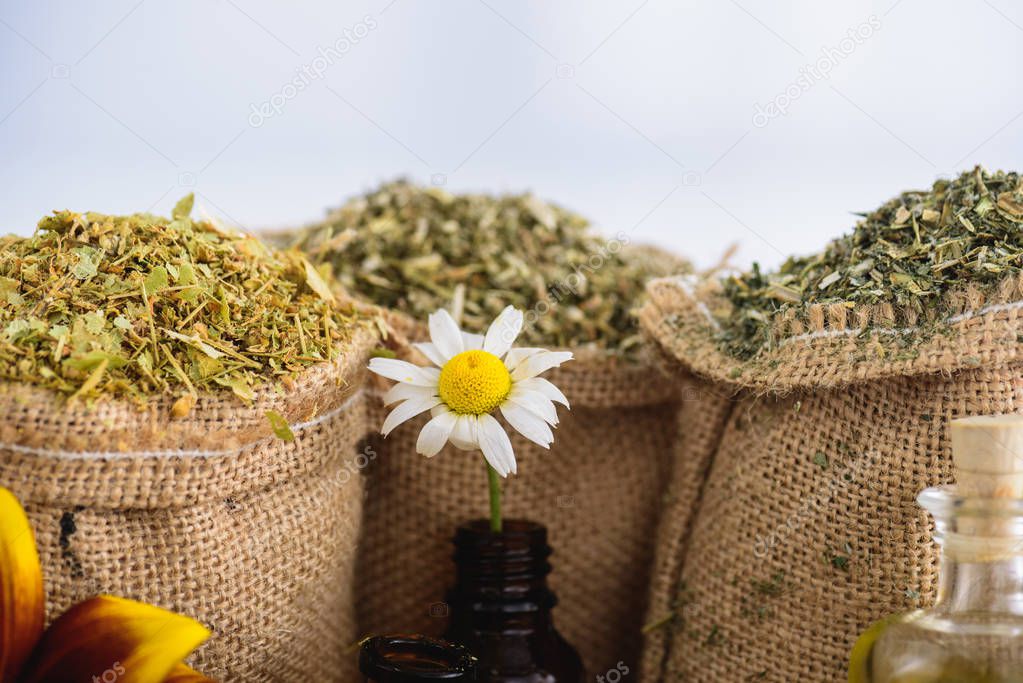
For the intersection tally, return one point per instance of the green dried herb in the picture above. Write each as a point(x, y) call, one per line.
point(134, 306)
point(773, 587)
point(714, 636)
point(417, 249)
point(759, 604)
point(910, 253)
point(279, 425)
point(838, 561)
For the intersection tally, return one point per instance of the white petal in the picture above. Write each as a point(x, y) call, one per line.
point(541, 362)
point(431, 352)
point(435, 434)
point(538, 404)
point(403, 392)
point(406, 411)
point(545, 387)
point(464, 434)
point(517, 356)
point(402, 371)
point(496, 445)
point(527, 424)
point(502, 332)
point(445, 335)
point(472, 341)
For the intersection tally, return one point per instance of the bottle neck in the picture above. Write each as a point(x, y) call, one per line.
point(977, 585)
point(501, 578)
point(981, 543)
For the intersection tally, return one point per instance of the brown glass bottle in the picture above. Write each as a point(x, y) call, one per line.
point(501, 605)
point(415, 659)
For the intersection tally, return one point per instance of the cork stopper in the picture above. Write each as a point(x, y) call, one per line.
point(987, 455)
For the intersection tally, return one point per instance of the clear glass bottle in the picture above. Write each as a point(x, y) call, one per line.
point(974, 631)
point(501, 605)
point(415, 659)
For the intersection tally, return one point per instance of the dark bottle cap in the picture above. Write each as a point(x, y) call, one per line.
point(414, 659)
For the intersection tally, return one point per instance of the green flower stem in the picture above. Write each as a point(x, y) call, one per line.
point(495, 499)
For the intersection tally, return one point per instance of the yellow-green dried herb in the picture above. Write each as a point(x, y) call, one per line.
point(418, 249)
point(279, 425)
point(909, 253)
point(134, 306)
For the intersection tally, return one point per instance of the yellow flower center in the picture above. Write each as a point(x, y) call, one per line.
point(474, 383)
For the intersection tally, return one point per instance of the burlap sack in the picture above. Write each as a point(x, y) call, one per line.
point(599, 490)
point(211, 516)
point(701, 419)
point(807, 529)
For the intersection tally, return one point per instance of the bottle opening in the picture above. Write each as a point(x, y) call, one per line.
point(413, 658)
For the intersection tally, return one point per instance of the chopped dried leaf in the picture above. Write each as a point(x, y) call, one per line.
point(183, 406)
point(183, 209)
point(238, 385)
point(280, 426)
point(418, 249)
point(156, 280)
point(86, 266)
point(316, 282)
point(910, 252)
point(135, 306)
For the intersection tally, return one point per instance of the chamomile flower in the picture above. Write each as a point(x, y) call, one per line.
point(474, 376)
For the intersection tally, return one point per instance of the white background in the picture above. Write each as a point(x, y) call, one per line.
point(646, 127)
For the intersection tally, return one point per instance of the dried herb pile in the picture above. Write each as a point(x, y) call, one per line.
point(910, 252)
point(134, 306)
point(416, 249)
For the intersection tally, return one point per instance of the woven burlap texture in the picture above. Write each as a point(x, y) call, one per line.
point(211, 516)
point(830, 346)
point(807, 528)
point(599, 490)
point(701, 420)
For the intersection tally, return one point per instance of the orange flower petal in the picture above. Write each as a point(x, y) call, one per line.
point(21, 588)
point(114, 639)
point(182, 674)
